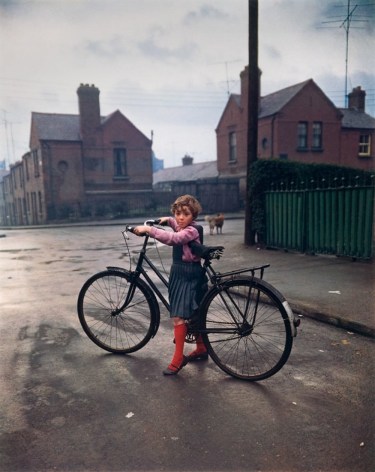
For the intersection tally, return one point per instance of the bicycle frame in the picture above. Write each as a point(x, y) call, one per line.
point(139, 270)
point(242, 319)
point(214, 277)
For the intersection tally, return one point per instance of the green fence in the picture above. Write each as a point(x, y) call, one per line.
point(326, 221)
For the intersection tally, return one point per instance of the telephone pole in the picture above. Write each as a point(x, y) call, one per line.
point(252, 110)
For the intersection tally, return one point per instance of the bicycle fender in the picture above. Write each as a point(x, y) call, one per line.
point(293, 320)
point(119, 269)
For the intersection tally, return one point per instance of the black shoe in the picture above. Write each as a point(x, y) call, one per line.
point(203, 356)
point(175, 369)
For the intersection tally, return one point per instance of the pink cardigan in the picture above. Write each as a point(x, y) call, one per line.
point(178, 237)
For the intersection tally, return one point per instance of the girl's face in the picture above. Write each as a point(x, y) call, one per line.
point(183, 216)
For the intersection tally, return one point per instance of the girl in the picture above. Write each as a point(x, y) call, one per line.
point(187, 280)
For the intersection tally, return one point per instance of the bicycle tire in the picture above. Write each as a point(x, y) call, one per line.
point(107, 322)
point(253, 349)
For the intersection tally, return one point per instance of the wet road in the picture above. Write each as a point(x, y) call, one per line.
point(66, 405)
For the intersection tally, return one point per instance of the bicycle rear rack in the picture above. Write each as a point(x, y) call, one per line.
point(252, 270)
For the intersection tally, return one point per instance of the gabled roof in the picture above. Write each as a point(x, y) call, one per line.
point(353, 118)
point(54, 126)
point(274, 102)
point(192, 172)
point(60, 127)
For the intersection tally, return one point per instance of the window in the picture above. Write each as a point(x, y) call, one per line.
point(36, 163)
point(232, 147)
point(302, 135)
point(40, 202)
point(27, 168)
point(120, 165)
point(364, 145)
point(317, 138)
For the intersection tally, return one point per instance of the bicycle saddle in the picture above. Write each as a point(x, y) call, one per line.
point(206, 252)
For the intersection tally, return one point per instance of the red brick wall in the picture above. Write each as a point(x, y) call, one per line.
point(277, 135)
point(349, 148)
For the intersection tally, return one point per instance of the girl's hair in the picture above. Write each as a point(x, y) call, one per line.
point(188, 201)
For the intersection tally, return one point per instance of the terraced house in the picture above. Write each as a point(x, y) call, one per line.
point(78, 165)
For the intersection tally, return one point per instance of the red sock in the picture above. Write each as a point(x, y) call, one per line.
point(201, 348)
point(180, 331)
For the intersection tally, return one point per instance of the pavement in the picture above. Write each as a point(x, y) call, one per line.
point(335, 290)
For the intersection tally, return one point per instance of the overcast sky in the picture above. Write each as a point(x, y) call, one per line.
point(168, 65)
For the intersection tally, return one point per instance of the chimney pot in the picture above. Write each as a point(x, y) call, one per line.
point(187, 160)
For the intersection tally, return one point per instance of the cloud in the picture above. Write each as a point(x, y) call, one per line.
point(205, 12)
point(150, 48)
point(167, 64)
point(107, 48)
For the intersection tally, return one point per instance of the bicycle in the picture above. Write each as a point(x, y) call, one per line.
point(246, 324)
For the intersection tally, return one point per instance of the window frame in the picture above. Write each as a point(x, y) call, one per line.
point(232, 142)
point(317, 136)
point(302, 137)
point(364, 147)
point(120, 163)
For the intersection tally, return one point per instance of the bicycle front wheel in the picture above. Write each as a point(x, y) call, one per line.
point(246, 328)
point(116, 313)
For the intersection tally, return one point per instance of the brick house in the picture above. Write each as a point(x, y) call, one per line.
point(78, 165)
point(298, 123)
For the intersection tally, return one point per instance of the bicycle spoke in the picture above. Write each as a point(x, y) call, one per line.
point(105, 318)
point(246, 331)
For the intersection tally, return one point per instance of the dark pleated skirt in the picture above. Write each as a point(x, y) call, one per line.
point(187, 286)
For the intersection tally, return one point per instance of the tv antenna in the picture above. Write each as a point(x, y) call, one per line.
point(226, 72)
point(346, 24)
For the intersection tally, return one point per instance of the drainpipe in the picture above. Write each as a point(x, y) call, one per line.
point(47, 147)
point(272, 135)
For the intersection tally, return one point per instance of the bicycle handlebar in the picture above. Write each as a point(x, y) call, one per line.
point(147, 222)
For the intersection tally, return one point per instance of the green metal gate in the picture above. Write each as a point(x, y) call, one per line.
point(326, 221)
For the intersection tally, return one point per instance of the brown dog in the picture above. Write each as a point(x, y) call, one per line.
point(215, 221)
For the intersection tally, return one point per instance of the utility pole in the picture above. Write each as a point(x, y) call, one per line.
point(252, 111)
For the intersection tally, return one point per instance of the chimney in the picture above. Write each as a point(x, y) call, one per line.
point(187, 160)
point(89, 112)
point(357, 99)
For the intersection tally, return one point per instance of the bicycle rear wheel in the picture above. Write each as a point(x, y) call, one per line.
point(246, 328)
point(118, 315)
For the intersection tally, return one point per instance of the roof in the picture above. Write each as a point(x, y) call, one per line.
point(352, 118)
point(200, 170)
point(54, 126)
point(60, 127)
point(274, 102)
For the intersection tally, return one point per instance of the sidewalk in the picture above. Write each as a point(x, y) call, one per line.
point(335, 290)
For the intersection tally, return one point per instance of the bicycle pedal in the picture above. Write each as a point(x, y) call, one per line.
point(191, 338)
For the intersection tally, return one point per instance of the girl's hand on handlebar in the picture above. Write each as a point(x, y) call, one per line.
point(163, 220)
point(142, 230)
